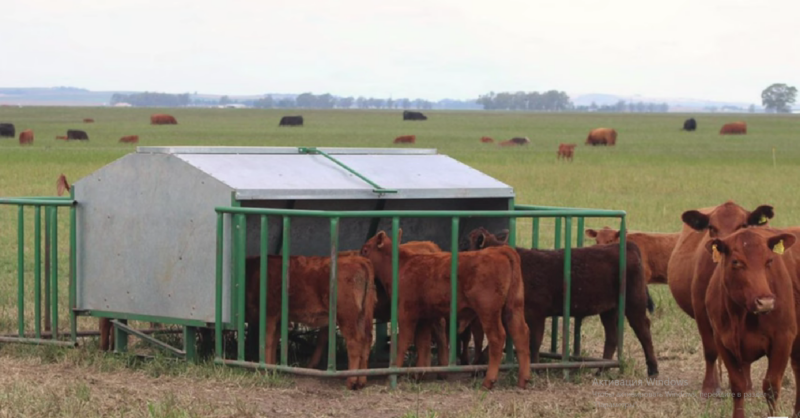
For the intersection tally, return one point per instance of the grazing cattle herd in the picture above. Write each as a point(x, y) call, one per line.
point(727, 269)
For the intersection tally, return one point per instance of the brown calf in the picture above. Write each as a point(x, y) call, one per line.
point(64, 137)
point(162, 119)
point(734, 128)
point(486, 140)
point(406, 139)
point(26, 137)
point(656, 248)
point(595, 290)
point(383, 307)
point(130, 139)
point(489, 288)
point(602, 136)
point(88, 120)
point(752, 309)
point(309, 302)
point(566, 151)
point(690, 267)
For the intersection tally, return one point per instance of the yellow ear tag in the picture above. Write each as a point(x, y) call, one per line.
point(715, 255)
point(778, 248)
point(763, 220)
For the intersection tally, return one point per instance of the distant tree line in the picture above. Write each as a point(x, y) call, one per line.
point(549, 101)
point(623, 106)
point(151, 99)
point(328, 101)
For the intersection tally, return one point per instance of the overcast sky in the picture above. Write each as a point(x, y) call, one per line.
point(711, 49)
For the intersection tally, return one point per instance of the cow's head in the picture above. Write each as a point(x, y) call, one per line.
point(481, 238)
point(746, 259)
point(380, 243)
point(603, 236)
point(727, 218)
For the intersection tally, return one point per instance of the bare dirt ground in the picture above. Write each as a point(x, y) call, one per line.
point(31, 387)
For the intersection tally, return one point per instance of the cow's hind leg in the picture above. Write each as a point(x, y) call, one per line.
point(422, 341)
point(106, 336)
point(493, 327)
point(640, 323)
point(515, 319)
point(439, 332)
point(609, 321)
point(354, 338)
point(319, 349)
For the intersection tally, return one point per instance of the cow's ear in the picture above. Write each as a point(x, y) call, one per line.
point(480, 241)
point(380, 237)
point(781, 242)
point(591, 233)
point(696, 220)
point(716, 247)
point(761, 215)
point(616, 235)
point(502, 236)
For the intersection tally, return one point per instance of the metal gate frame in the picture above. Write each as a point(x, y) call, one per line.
point(238, 250)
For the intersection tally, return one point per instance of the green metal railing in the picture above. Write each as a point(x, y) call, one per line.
point(51, 277)
point(237, 256)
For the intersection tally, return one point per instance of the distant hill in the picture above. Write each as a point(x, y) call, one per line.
point(675, 104)
point(54, 96)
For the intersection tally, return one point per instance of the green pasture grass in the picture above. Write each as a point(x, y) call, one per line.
point(654, 173)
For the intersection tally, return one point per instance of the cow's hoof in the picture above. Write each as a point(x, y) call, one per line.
point(488, 384)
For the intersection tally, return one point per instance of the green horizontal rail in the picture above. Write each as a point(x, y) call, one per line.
point(413, 370)
point(37, 201)
point(424, 213)
point(315, 151)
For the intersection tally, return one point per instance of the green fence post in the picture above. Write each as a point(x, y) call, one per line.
point(190, 343)
point(21, 270)
point(54, 269)
point(48, 318)
point(120, 338)
point(554, 319)
point(580, 232)
point(262, 294)
point(567, 291)
point(622, 284)
point(37, 271)
point(333, 295)
point(453, 290)
point(512, 241)
point(73, 274)
point(239, 259)
point(395, 279)
point(219, 354)
point(535, 238)
point(285, 293)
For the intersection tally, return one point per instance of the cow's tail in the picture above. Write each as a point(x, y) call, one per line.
point(365, 296)
point(651, 306)
point(516, 274)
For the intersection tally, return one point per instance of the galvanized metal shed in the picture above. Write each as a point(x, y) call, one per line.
point(146, 246)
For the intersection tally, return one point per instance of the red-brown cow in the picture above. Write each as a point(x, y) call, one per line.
point(602, 136)
point(63, 137)
point(406, 139)
point(162, 119)
point(26, 137)
point(486, 140)
point(566, 151)
point(383, 308)
point(88, 120)
point(309, 302)
point(489, 288)
point(690, 267)
point(752, 307)
point(656, 248)
point(595, 290)
point(518, 140)
point(129, 139)
point(734, 128)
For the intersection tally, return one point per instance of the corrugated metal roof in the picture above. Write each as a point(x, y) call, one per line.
point(257, 173)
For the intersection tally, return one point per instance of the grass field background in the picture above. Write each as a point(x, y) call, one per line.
point(655, 172)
